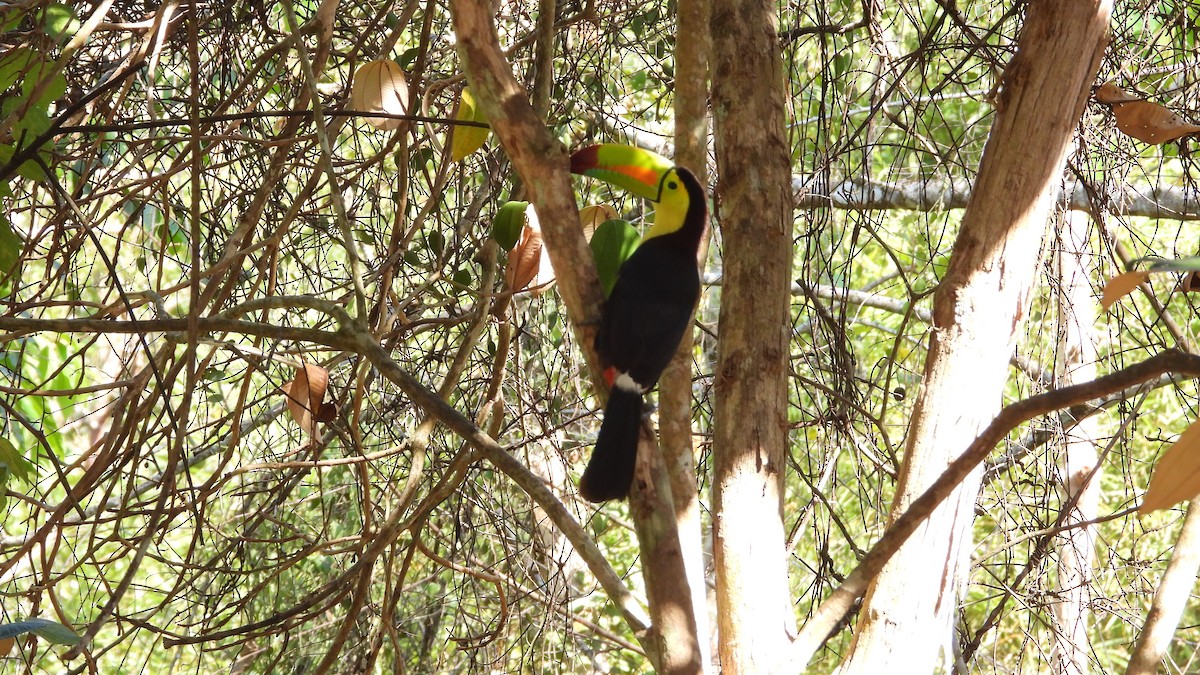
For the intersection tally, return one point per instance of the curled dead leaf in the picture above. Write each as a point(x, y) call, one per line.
point(1190, 283)
point(529, 262)
point(380, 87)
point(306, 398)
point(524, 260)
point(1121, 286)
point(1141, 119)
point(591, 217)
point(1110, 93)
point(1177, 476)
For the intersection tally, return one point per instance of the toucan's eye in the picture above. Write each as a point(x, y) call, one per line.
point(672, 185)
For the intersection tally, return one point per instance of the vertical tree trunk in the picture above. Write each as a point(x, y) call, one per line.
point(754, 205)
point(542, 162)
point(1076, 360)
point(909, 609)
point(1171, 598)
point(675, 386)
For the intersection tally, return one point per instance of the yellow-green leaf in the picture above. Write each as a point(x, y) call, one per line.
point(61, 22)
point(12, 460)
point(464, 139)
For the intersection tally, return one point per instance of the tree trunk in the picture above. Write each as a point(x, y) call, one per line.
point(750, 415)
point(675, 385)
point(1076, 360)
point(909, 608)
point(1171, 598)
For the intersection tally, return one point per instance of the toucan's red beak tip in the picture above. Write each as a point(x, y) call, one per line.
point(585, 159)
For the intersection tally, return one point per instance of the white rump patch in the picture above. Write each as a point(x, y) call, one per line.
point(624, 381)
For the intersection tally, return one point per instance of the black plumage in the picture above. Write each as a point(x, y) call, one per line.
point(651, 305)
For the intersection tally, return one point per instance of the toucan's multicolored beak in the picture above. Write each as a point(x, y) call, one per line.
point(634, 169)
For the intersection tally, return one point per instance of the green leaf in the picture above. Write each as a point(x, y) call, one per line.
point(408, 56)
point(51, 631)
point(465, 140)
point(612, 244)
point(509, 222)
point(10, 251)
point(60, 21)
point(12, 65)
point(17, 466)
point(436, 242)
point(1158, 264)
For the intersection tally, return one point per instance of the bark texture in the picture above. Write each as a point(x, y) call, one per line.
point(1171, 598)
point(753, 203)
point(1076, 359)
point(978, 311)
point(670, 642)
point(675, 386)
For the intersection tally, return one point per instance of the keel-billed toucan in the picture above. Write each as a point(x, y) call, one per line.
point(651, 304)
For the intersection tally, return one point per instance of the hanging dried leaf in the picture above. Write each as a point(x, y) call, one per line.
point(380, 87)
point(465, 140)
point(306, 397)
point(591, 217)
point(545, 272)
point(1144, 120)
point(1110, 93)
point(1177, 476)
point(1121, 286)
point(1190, 283)
point(528, 261)
point(524, 260)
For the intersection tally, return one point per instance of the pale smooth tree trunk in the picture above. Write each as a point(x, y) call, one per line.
point(675, 385)
point(754, 207)
point(909, 609)
point(1076, 361)
point(1172, 597)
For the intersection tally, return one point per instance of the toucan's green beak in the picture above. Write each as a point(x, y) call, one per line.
point(639, 171)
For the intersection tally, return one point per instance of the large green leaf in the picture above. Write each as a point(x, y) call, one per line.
point(612, 244)
point(60, 21)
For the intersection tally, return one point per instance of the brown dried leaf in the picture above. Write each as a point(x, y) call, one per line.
point(1110, 93)
point(306, 397)
point(1177, 476)
point(1121, 286)
point(524, 260)
point(1151, 123)
point(591, 217)
point(380, 86)
point(1190, 283)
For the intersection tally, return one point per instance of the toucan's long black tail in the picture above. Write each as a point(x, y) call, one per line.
point(609, 473)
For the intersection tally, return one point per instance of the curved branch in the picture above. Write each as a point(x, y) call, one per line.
point(1076, 398)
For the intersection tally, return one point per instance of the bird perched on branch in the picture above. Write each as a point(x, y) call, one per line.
point(651, 304)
